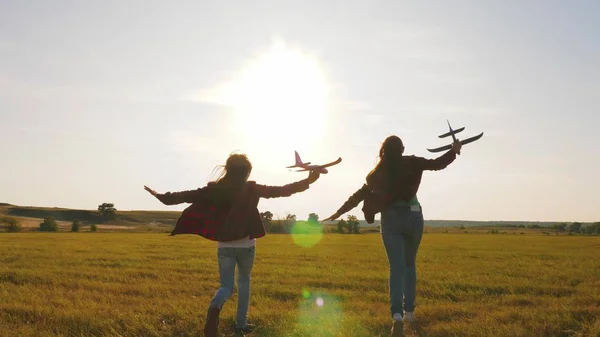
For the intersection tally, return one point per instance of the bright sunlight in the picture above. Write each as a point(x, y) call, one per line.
point(280, 99)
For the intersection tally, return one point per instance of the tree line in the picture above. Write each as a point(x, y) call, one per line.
point(284, 224)
point(107, 211)
point(577, 228)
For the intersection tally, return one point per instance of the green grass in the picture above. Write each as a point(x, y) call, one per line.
point(127, 284)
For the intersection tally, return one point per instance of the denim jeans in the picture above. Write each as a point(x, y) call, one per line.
point(228, 259)
point(401, 231)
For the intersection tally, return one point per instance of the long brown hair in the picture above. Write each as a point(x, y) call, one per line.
point(390, 162)
point(235, 173)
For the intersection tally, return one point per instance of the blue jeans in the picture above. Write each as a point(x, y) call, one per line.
point(401, 231)
point(228, 259)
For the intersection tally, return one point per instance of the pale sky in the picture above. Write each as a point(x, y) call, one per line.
point(98, 98)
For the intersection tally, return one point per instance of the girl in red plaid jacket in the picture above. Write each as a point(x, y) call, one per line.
point(226, 211)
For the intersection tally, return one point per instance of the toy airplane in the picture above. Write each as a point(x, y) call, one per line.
point(452, 133)
point(307, 167)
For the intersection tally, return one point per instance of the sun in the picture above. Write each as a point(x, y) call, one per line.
point(280, 99)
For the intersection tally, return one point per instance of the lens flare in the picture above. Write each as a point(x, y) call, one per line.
point(320, 314)
point(306, 234)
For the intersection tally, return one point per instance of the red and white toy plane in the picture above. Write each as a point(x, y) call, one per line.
point(307, 167)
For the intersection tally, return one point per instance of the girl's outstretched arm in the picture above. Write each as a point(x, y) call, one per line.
point(440, 162)
point(352, 202)
point(265, 191)
point(176, 197)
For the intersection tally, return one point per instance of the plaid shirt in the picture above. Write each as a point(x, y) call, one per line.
point(378, 198)
point(215, 215)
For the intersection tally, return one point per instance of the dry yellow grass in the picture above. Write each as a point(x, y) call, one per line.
point(127, 284)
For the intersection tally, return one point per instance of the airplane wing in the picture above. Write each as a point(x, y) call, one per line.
point(297, 165)
point(472, 139)
point(440, 149)
point(339, 160)
point(453, 132)
point(463, 142)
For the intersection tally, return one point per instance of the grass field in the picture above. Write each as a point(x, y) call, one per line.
point(128, 284)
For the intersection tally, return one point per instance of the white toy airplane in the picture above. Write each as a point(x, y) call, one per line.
point(307, 167)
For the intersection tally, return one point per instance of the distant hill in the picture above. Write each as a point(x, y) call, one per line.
point(124, 218)
point(169, 218)
point(464, 223)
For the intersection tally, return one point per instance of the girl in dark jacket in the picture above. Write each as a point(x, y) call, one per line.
point(391, 189)
point(226, 211)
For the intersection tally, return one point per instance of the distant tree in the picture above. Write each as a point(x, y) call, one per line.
point(353, 224)
point(341, 225)
point(591, 228)
point(575, 227)
point(561, 227)
point(313, 217)
point(49, 225)
point(93, 228)
point(267, 216)
point(11, 225)
point(107, 211)
point(534, 226)
point(275, 226)
point(291, 218)
point(75, 226)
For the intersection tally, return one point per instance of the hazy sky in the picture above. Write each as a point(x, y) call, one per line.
point(98, 98)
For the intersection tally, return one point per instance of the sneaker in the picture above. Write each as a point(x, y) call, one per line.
point(398, 329)
point(409, 316)
point(212, 322)
point(247, 329)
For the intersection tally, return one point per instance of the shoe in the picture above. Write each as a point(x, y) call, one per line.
point(398, 329)
point(247, 329)
point(212, 322)
point(409, 316)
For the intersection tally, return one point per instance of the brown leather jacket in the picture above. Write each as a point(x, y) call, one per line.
point(378, 196)
point(218, 214)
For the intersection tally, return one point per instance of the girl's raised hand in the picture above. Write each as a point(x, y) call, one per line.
point(332, 217)
point(151, 191)
point(313, 176)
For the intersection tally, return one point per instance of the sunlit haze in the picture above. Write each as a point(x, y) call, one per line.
point(98, 98)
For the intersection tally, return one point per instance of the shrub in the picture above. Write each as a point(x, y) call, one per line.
point(49, 225)
point(75, 226)
point(93, 228)
point(11, 225)
point(107, 211)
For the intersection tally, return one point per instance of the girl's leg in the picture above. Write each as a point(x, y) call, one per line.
point(393, 241)
point(413, 238)
point(245, 261)
point(394, 247)
point(226, 258)
point(227, 263)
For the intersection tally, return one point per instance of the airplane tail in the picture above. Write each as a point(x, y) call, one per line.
point(453, 132)
point(299, 162)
